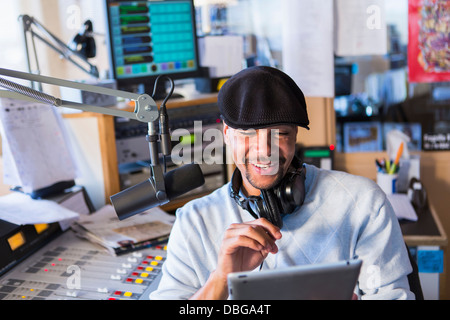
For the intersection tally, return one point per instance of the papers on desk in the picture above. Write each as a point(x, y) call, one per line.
point(118, 237)
point(36, 153)
point(402, 206)
point(20, 209)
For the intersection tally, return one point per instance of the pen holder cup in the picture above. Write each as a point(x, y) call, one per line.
point(387, 182)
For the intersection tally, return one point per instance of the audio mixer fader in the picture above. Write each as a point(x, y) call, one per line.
point(71, 268)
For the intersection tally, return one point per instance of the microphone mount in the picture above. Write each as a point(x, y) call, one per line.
point(145, 110)
point(33, 29)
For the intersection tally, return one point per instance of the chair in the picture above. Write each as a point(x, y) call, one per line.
point(413, 278)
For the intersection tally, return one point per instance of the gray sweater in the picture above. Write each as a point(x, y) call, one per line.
point(343, 217)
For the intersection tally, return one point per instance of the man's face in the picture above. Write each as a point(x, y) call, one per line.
point(263, 155)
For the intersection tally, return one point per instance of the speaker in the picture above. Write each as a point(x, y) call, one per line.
point(284, 198)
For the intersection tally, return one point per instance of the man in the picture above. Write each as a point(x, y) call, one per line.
point(245, 226)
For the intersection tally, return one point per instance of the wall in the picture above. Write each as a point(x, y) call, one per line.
point(322, 123)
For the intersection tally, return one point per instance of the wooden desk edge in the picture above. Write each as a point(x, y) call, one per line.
point(441, 240)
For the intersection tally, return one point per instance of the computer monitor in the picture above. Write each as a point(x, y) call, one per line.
point(151, 38)
point(343, 79)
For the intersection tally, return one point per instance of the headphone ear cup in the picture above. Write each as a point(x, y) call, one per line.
point(291, 192)
point(269, 208)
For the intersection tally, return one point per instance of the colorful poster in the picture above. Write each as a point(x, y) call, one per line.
point(429, 40)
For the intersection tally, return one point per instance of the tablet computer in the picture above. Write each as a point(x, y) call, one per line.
point(325, 281)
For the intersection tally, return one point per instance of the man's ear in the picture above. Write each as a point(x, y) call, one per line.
point(226, 137)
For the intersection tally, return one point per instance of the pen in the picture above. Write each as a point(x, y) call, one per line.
point(379, 165)
point(397, 158)
point(388, 166)
point(383, 165)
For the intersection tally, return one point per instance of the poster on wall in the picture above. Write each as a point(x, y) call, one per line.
point(429, 38)
point(308, 45)
point(360, 27)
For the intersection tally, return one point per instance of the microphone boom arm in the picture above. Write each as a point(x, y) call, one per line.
point(145, 110)
point(45, 36)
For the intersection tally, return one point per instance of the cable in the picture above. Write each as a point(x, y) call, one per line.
point(164, 131)
point(172, 87)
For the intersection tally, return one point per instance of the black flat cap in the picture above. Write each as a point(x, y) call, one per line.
point(261, 96)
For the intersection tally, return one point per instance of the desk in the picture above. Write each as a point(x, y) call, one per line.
point(435, 175)
point(427, 231)
point(427, 234)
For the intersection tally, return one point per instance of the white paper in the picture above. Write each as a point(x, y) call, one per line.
point(21, 209)
point(34, 145)
point(402, 206)
point(222, 54)
point(308, 45)
point(76, 202)
point(360, 27)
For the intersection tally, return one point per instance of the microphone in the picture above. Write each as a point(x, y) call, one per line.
point(84, 42)
point(143, 196)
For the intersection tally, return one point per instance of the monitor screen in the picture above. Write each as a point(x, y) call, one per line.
point(343, 80)
point(150, 38)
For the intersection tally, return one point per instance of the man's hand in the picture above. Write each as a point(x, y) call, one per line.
point(244, 247)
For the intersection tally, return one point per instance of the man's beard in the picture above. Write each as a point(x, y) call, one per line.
point(254, 180)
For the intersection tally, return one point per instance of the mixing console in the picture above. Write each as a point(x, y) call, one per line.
point(71, 268)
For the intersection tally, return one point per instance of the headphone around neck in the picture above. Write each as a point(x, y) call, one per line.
point(284, 198)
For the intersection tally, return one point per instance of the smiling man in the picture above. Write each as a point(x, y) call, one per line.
point(263, 156)
point(276, 211)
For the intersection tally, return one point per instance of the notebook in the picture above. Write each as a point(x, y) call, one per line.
point(325, 281)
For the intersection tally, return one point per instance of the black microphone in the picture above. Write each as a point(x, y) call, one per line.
point(84, 42)
point(143, 196)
